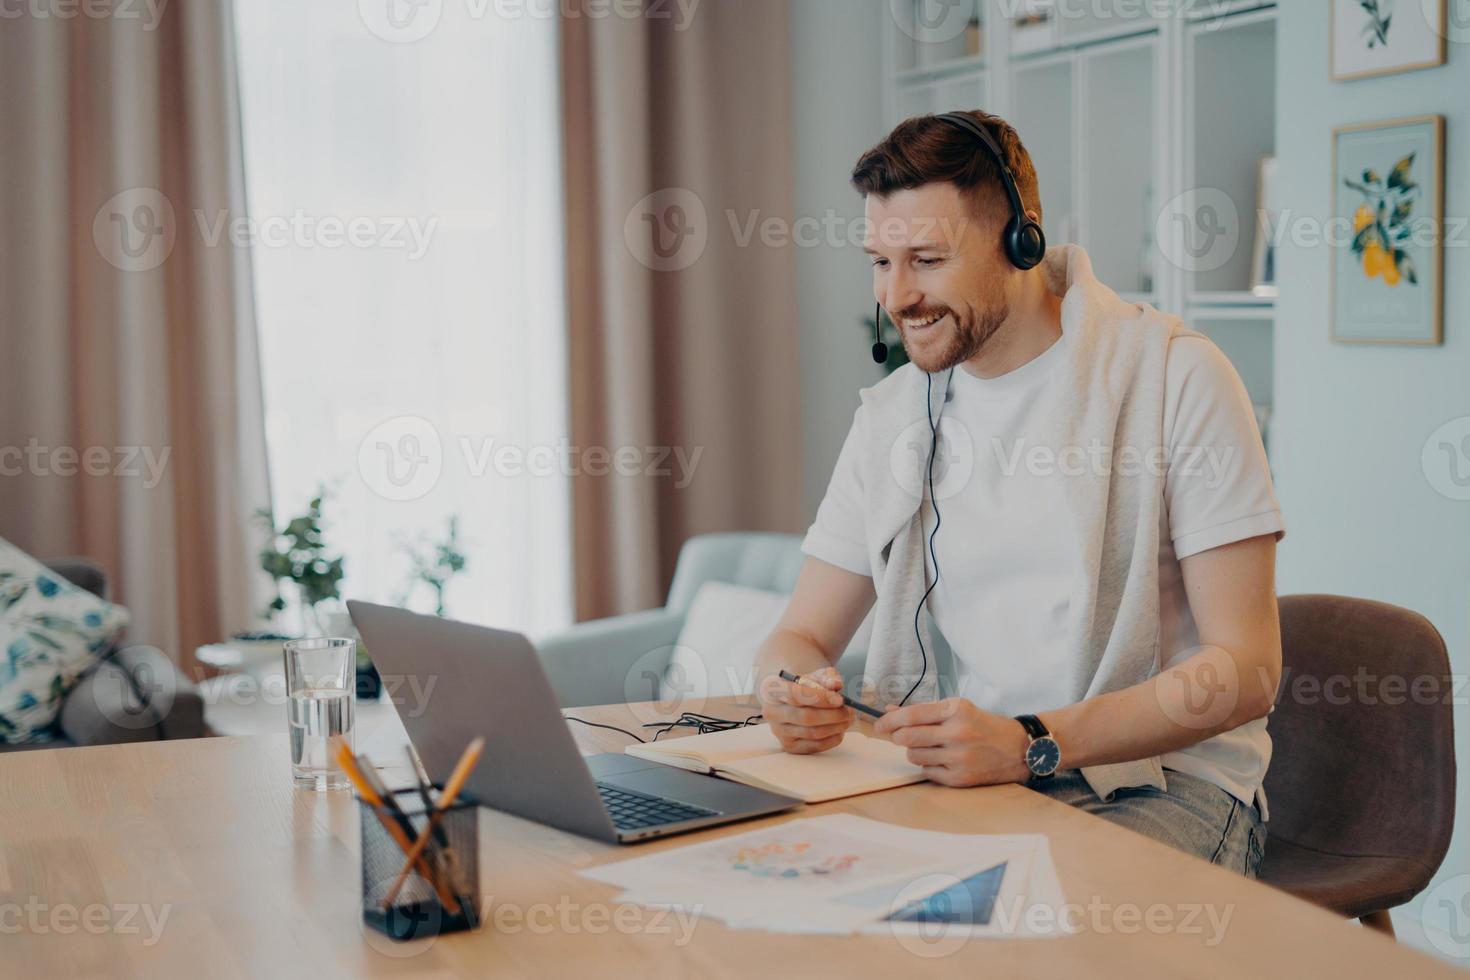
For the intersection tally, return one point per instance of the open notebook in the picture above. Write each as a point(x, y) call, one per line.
point(751, 755)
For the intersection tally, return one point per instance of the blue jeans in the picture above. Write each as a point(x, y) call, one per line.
point(1193, 815)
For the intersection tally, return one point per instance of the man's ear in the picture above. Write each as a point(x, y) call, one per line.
point(1031, 213)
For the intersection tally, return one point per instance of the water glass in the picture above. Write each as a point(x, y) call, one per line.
point(321, 676)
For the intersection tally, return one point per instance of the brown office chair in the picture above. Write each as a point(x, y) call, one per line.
point(1361, 785)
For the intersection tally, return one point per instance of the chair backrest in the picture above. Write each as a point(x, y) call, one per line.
point(1363, 756)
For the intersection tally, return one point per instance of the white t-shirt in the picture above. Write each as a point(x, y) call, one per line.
point(1007, 553)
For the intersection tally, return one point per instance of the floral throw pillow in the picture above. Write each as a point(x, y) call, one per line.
point(51, 633)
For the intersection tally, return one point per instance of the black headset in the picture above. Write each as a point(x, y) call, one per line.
point(1023, 240)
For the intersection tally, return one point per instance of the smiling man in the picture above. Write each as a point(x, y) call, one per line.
point(1032, 484)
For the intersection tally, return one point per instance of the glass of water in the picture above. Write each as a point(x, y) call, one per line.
point(321, 675)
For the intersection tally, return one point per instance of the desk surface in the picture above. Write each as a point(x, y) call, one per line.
point(195, 858)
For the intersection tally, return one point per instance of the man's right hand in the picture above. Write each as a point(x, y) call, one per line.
point(806, 719)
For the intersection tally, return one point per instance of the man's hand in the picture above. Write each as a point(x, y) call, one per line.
point(804, 718)
point(958, 744)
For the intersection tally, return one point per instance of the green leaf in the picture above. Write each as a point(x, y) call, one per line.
point(1370, 176)
point(43, 639)
point(1406, 266)
point(1399, 175)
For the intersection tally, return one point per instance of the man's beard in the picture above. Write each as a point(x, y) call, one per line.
point(967, 339)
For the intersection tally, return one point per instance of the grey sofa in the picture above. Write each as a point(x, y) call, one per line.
point(591, 663)
point(134, 695)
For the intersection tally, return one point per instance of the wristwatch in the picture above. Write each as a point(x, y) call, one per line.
point(1043, 754)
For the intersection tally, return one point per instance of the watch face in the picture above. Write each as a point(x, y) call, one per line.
point(1043, 756)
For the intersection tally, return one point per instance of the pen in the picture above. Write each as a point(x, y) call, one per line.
point(786, 675)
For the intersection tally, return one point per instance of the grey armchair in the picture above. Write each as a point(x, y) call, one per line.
point(591, 662)
point(134, 695)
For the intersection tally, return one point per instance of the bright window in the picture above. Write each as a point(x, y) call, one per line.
point(404, 210)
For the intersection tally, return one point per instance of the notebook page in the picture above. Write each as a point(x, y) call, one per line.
point(859, 765)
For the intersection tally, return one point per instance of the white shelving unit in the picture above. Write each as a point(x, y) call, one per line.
point(1122, 112)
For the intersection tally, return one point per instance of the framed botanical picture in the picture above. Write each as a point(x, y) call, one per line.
point(1380, 37)
point(1387, 249)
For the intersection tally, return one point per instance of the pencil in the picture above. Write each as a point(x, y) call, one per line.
point(390, 824)
point(462, 770)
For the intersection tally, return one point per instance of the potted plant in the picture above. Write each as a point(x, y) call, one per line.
point(298, 554)
point(434, 564)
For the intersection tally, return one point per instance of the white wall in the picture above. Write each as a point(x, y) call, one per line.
point(1350, 421)
point(837, 79)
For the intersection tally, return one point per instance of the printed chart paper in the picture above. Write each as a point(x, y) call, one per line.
point(841, 874)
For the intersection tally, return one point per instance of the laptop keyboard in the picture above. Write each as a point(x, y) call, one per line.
point(632, 811)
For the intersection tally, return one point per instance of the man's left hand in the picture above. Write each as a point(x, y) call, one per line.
point(957, 743)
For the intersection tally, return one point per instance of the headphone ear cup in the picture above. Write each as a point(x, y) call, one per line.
point(1025, 243)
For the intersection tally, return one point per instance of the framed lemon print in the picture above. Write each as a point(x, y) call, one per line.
point(1387, 241)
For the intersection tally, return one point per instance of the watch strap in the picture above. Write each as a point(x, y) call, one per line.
point(1033, 726)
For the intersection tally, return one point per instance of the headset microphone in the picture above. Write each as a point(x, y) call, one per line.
point(880, 349)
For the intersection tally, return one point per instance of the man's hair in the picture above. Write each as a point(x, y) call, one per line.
point(927, 150)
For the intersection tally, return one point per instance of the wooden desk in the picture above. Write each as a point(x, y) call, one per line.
point(259, 880)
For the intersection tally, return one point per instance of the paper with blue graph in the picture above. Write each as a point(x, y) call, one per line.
point(842, 874)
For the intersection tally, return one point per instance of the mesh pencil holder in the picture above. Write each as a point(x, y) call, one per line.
point(441, 893)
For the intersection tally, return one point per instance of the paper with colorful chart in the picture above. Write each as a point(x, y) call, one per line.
point(837, 874)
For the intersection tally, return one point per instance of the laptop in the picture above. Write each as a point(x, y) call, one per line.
point(454, 681)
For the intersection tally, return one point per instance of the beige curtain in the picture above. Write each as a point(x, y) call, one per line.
point(128, 370)
point(685, 342)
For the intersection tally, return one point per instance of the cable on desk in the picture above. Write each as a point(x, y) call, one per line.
point(613, 728)
point(703, 724)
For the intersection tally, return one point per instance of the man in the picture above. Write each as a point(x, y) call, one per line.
point(1074, 491)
